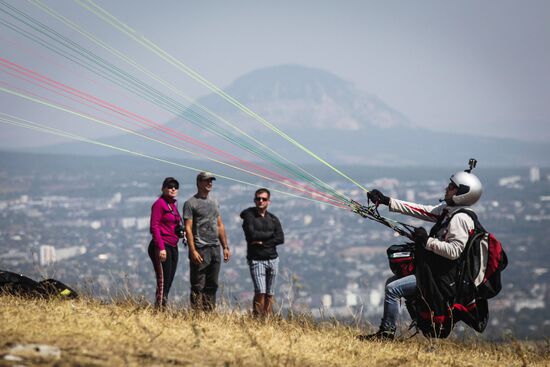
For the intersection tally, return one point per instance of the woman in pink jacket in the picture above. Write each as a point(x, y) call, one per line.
point(166, 230)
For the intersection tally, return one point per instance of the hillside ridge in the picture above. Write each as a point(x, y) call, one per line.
point(130, 332)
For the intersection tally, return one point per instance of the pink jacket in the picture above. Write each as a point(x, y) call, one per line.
point(164, 219)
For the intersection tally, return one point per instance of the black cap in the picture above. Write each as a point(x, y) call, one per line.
point(170, 181)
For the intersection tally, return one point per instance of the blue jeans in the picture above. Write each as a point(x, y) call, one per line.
point(395, 289)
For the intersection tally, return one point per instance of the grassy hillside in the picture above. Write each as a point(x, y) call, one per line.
point(90, 333)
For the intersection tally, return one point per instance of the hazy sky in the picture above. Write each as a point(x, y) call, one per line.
point(471, 66)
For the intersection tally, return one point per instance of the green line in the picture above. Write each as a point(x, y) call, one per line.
point(126, 77)
point(81, 115)
point(144, 70)
point(50, 130)
point(167, 102)
point(110, 19)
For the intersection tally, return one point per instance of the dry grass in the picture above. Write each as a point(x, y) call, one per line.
point(90, 333)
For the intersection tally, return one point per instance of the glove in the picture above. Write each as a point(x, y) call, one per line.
point(420, 236)
point(377, 197)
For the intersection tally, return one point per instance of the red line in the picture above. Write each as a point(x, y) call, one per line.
point(35, 54)
point(144, 121)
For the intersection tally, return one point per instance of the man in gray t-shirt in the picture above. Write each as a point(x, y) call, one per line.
point(205, 231)
point(204, 213)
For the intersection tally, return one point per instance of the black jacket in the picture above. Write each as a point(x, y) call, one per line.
point(266, 229)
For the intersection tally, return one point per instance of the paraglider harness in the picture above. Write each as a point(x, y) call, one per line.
point(449, 291)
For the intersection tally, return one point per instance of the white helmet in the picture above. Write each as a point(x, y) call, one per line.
point(469, 188)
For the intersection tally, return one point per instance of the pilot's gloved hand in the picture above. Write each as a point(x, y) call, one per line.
point(420, 236)
point(378, 198)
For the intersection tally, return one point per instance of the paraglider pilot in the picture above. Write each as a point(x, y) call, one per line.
point(447, 238)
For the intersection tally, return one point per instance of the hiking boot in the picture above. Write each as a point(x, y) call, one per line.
point(379, 335)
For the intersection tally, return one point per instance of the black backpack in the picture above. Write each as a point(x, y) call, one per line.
point(450, 291)
point(20, 285)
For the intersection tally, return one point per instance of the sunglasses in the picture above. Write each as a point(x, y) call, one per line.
point(169, 187)
point(261, 199)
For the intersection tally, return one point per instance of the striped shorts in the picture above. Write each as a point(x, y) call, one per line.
point(263, 274)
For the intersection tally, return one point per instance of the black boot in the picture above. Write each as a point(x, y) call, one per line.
point(381, 334)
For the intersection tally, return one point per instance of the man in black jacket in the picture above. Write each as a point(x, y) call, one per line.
point(263, 232)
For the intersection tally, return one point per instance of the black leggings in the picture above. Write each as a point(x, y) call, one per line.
point(164, 271)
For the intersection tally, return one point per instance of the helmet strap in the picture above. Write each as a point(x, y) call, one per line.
point(450, 202)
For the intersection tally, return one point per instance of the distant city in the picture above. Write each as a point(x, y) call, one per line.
point(88, 226)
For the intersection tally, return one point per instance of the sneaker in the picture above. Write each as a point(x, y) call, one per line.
point(379, 335)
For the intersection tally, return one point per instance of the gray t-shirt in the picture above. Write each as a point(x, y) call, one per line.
point(204, 213)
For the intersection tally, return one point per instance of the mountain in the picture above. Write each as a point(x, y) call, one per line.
point(345, 125)
point(334, 120)
point(294, 97)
